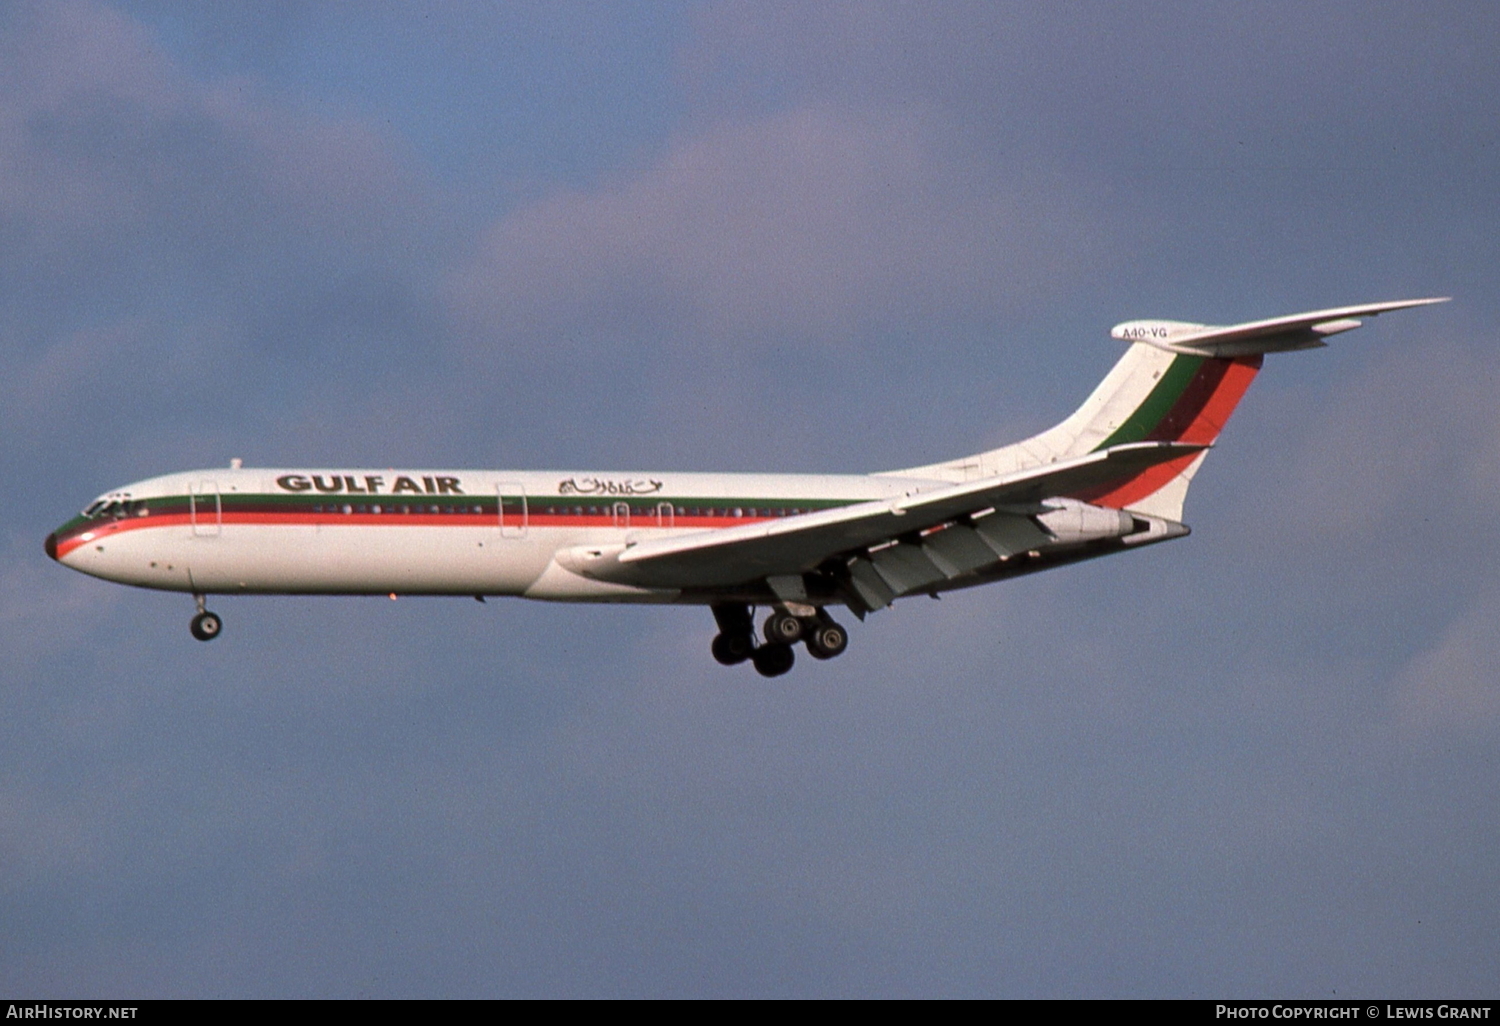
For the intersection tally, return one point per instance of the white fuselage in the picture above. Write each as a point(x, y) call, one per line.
point(360, 531)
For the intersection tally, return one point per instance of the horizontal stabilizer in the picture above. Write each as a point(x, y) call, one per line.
point(1279, 334)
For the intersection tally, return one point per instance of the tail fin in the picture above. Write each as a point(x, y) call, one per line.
point(1178, 382)
point(1189, 399)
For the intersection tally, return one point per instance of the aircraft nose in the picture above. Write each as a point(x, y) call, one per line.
point(51, 544)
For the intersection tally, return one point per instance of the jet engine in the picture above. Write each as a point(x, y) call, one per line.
point(1070, 521)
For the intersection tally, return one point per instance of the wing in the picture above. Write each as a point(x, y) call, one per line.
point(799, 544)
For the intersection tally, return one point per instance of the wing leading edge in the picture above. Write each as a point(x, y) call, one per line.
point(999, 511)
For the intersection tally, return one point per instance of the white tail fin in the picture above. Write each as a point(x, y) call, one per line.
point(1179, 383)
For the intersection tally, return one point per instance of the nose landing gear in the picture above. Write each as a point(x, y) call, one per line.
point(205, 626)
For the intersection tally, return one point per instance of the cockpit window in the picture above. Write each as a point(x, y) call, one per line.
point(116, 506)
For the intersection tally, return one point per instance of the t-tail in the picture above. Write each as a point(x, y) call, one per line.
point(1178, 382)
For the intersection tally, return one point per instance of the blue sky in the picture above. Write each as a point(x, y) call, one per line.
point(806, 237)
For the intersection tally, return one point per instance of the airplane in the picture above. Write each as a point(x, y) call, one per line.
point(1110, 478)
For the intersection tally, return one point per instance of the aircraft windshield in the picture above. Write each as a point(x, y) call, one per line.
point(109, 506)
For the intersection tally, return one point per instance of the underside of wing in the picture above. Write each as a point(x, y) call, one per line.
point(947, 532)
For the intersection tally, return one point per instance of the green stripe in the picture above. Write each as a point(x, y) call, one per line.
point(304, 502)
point(1179, 375)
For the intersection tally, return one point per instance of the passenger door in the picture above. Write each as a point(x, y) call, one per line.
point(205, 510)
point(514, 512)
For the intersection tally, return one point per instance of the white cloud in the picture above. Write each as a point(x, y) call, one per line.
point(1454, 685)
point(819, 222)
point(43, 609)
point(99, 128)
point(162, 233)
point(1386, 485)
point(56, 57)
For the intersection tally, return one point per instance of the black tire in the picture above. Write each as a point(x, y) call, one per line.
point(773, 660)
point(731, 649)
point(206, 626)
point(827, 640)
point(782, 629)
point(734, 618)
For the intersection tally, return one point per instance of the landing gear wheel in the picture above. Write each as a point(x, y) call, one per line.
point(732, 649)
point(783, 629)
point(827, 640)
point(206, 626)
point(773, 660)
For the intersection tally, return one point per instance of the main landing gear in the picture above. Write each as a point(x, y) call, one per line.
point(205, 626)
point(735, 642)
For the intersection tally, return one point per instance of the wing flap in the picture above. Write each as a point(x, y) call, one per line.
point(869, 586)
point(960, 550)
point(1010, 535)
point(906, 568)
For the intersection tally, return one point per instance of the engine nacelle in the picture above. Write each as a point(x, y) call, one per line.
point(1070, 521)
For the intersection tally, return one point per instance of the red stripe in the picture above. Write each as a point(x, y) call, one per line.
point(102, 532)
point(1190, 403)
point(1204, 429)
point(1215, 414)
point(1143, 484)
